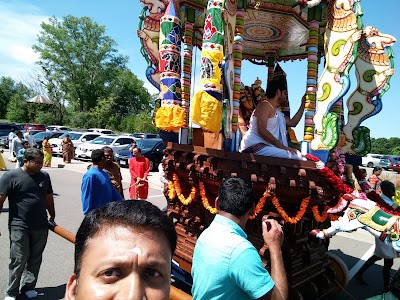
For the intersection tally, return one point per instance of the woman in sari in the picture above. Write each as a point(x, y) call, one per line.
point(67, 149)
point(47, 151)
point(3, 166)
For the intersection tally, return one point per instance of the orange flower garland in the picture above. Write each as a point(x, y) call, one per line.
point(171, 190)
point(178, 191)
point(260, 204)
point(319, 218)
point(284, 215)
point(204, 199)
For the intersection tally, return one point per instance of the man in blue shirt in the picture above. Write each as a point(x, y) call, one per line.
point(225, 264)
point(97, 188)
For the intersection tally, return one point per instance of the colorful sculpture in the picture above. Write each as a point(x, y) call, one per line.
point(373, 69)
point(171, 115)
point(342, 33)
point(148, 32)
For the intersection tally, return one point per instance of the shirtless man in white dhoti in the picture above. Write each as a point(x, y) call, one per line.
point(267, 129)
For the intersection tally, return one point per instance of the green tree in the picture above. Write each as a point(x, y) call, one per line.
point(129, 95)
point(79, 59)
point(8, 89)
point(139, 123)
point(17, 109)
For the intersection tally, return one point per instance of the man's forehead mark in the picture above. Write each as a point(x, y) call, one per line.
point(135, 250)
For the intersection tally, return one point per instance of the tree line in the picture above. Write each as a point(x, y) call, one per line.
point(385, 146)
point(85, 78)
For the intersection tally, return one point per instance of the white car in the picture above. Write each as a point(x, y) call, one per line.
point(102, 131)
point(57, 128)
point(371, 160)
point(84, 151)
point(77, 138)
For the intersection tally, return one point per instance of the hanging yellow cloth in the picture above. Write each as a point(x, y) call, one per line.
point(206, 111)
point(170, 118)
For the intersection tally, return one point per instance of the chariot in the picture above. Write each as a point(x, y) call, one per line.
point(264, 32)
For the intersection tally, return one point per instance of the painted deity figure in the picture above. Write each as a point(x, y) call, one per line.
point(372, 71)
point(339, 40)
point(149, 34)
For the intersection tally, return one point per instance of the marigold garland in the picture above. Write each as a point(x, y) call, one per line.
point(171, 190)
point(178, 191)
point(260, 204)
point(284, 215)
point(204, 199)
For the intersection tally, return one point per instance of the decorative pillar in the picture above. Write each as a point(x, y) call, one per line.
point(206, 106)
point(270, 65)
point(170, 116)
point(187, 69)
point(237, 60)
point(314, 14)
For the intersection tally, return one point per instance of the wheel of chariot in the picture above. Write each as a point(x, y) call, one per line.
point(340, 272)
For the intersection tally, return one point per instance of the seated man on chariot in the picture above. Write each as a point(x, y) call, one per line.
point(267, 130)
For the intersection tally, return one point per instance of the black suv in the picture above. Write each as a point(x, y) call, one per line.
point(5, 129)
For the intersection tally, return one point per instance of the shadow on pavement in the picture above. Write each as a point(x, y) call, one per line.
point(373, 277)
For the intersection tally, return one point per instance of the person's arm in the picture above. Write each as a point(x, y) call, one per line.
point(50, 207)
point(147, 171)
point(297, 117)
point(273, 237)
point(87, 194)
point(2, 199)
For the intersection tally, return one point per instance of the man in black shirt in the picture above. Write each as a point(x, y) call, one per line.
point(30, 194)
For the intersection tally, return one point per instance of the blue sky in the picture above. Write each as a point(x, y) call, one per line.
point(20, 25)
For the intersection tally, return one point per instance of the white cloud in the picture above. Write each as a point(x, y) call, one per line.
point(19, 27)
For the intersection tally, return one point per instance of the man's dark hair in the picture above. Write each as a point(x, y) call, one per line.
point(97, 156)
point(24, 142)
point(273, 86)
point(139, 150)
point(236, 196)
point(376, 169)
point(32, 154)
point(394, 285)
point(131, 213)
point(106, 148)
point(388, 188)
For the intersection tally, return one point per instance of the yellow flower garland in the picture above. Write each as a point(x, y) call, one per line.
point(178, 191)
point(204, 199)
point(260, 204)
point(284, 215)
point(171, 190)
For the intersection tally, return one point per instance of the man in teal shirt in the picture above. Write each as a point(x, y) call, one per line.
point(225, 264)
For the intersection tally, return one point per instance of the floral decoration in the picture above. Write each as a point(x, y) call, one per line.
point(284, 215)
point(171, 190)
point(178, 191)
point(260, 204)
point(204, 199)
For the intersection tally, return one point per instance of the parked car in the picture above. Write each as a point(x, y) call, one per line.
point(152, 148)
point(102, 131)
point(38, 138)
point(5, 129)
point(35, 127)
point(84, 151)
point(57, 128)
point(77, 138)
point(142, 135)
point(396, 167)
point(371, 160)
point(387, 161)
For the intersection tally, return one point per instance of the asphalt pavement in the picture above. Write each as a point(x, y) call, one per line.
point(352, 248)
